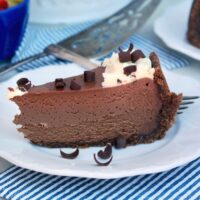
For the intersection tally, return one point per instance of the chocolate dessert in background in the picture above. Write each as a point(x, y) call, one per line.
point(125, 101)
point(193, 33)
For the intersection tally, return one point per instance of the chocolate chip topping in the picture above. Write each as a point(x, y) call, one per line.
point(24, 84)
point(128, 70)
point(89, 76)
point(60, 84)
point(72, 155)
point(120, 142)
point(103, 164)
point(136, 55)
point(119, 81)
point(106, 153)
point(125, 56)
point(74, 85)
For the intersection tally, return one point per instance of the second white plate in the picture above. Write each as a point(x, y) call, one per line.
point(172, 27)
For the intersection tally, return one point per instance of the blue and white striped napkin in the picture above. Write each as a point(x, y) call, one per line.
point(182, 183)
point(19, 183)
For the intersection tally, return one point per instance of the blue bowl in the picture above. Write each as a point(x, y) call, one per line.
point(13, 23)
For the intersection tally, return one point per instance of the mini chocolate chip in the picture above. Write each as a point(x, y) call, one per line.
point(130, 48)
point(119, 81)
point(125, 56)
point(72, 155)
point(60, 84)
point(120, 142)
point(136, 55)
point(74, 85)
point(89, 76)
point(128, 70)
point(103, 164)
point(106, 153)
point(24, 84)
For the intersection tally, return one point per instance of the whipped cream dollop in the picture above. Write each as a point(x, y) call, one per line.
point(114, 71)
point(11, 93)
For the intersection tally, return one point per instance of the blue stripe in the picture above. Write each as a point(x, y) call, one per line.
point(29, 190)
point(27, 185)
point(89, 186)
point(25, 179)
point(120, 187)
point(43, 187)
point(71, 191)
point(180, 172)
point(185, 183)
point(69, 180)
point(196, 191)
point(113, 185)
point(161, 177)
point(47, 186)
point(6, 174)
point(177, 181)
point(65, 187)
point(102, 184)
point(16, 180)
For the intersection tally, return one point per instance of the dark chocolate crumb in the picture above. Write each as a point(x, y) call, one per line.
point(119, 81)
point(136, 55)
point(60, 84)
point(103, 164)
point(125, 56)
point(106, 153)
point(72, 155)
point(89, 76)
point(74, 85)
point(24, 84)
point(120, 142)
point(128, 70)
point(11, 89)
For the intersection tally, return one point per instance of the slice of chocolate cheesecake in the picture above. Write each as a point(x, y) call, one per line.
point(126, 99)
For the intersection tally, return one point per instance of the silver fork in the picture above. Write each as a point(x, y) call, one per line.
point(187, 100)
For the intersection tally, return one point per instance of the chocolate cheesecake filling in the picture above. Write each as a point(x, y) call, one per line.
point(140, 111)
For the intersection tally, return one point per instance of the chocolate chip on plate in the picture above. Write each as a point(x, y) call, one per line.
point(136, 55)
point(72, 155)
point(120, 142)
point(102, 163)
point(89, 76)
point(106, 153)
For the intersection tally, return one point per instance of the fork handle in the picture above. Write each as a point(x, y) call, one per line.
point(7, 68)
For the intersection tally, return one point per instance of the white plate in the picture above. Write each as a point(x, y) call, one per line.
point(171, 27)
point(181, 144)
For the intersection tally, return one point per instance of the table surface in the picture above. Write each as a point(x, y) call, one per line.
point(193, 70)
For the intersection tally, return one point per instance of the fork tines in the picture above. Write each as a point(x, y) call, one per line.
point(190, 97)
point(186, 101)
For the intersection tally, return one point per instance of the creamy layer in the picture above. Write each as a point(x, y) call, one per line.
point(114, 72)
point(110, 74)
